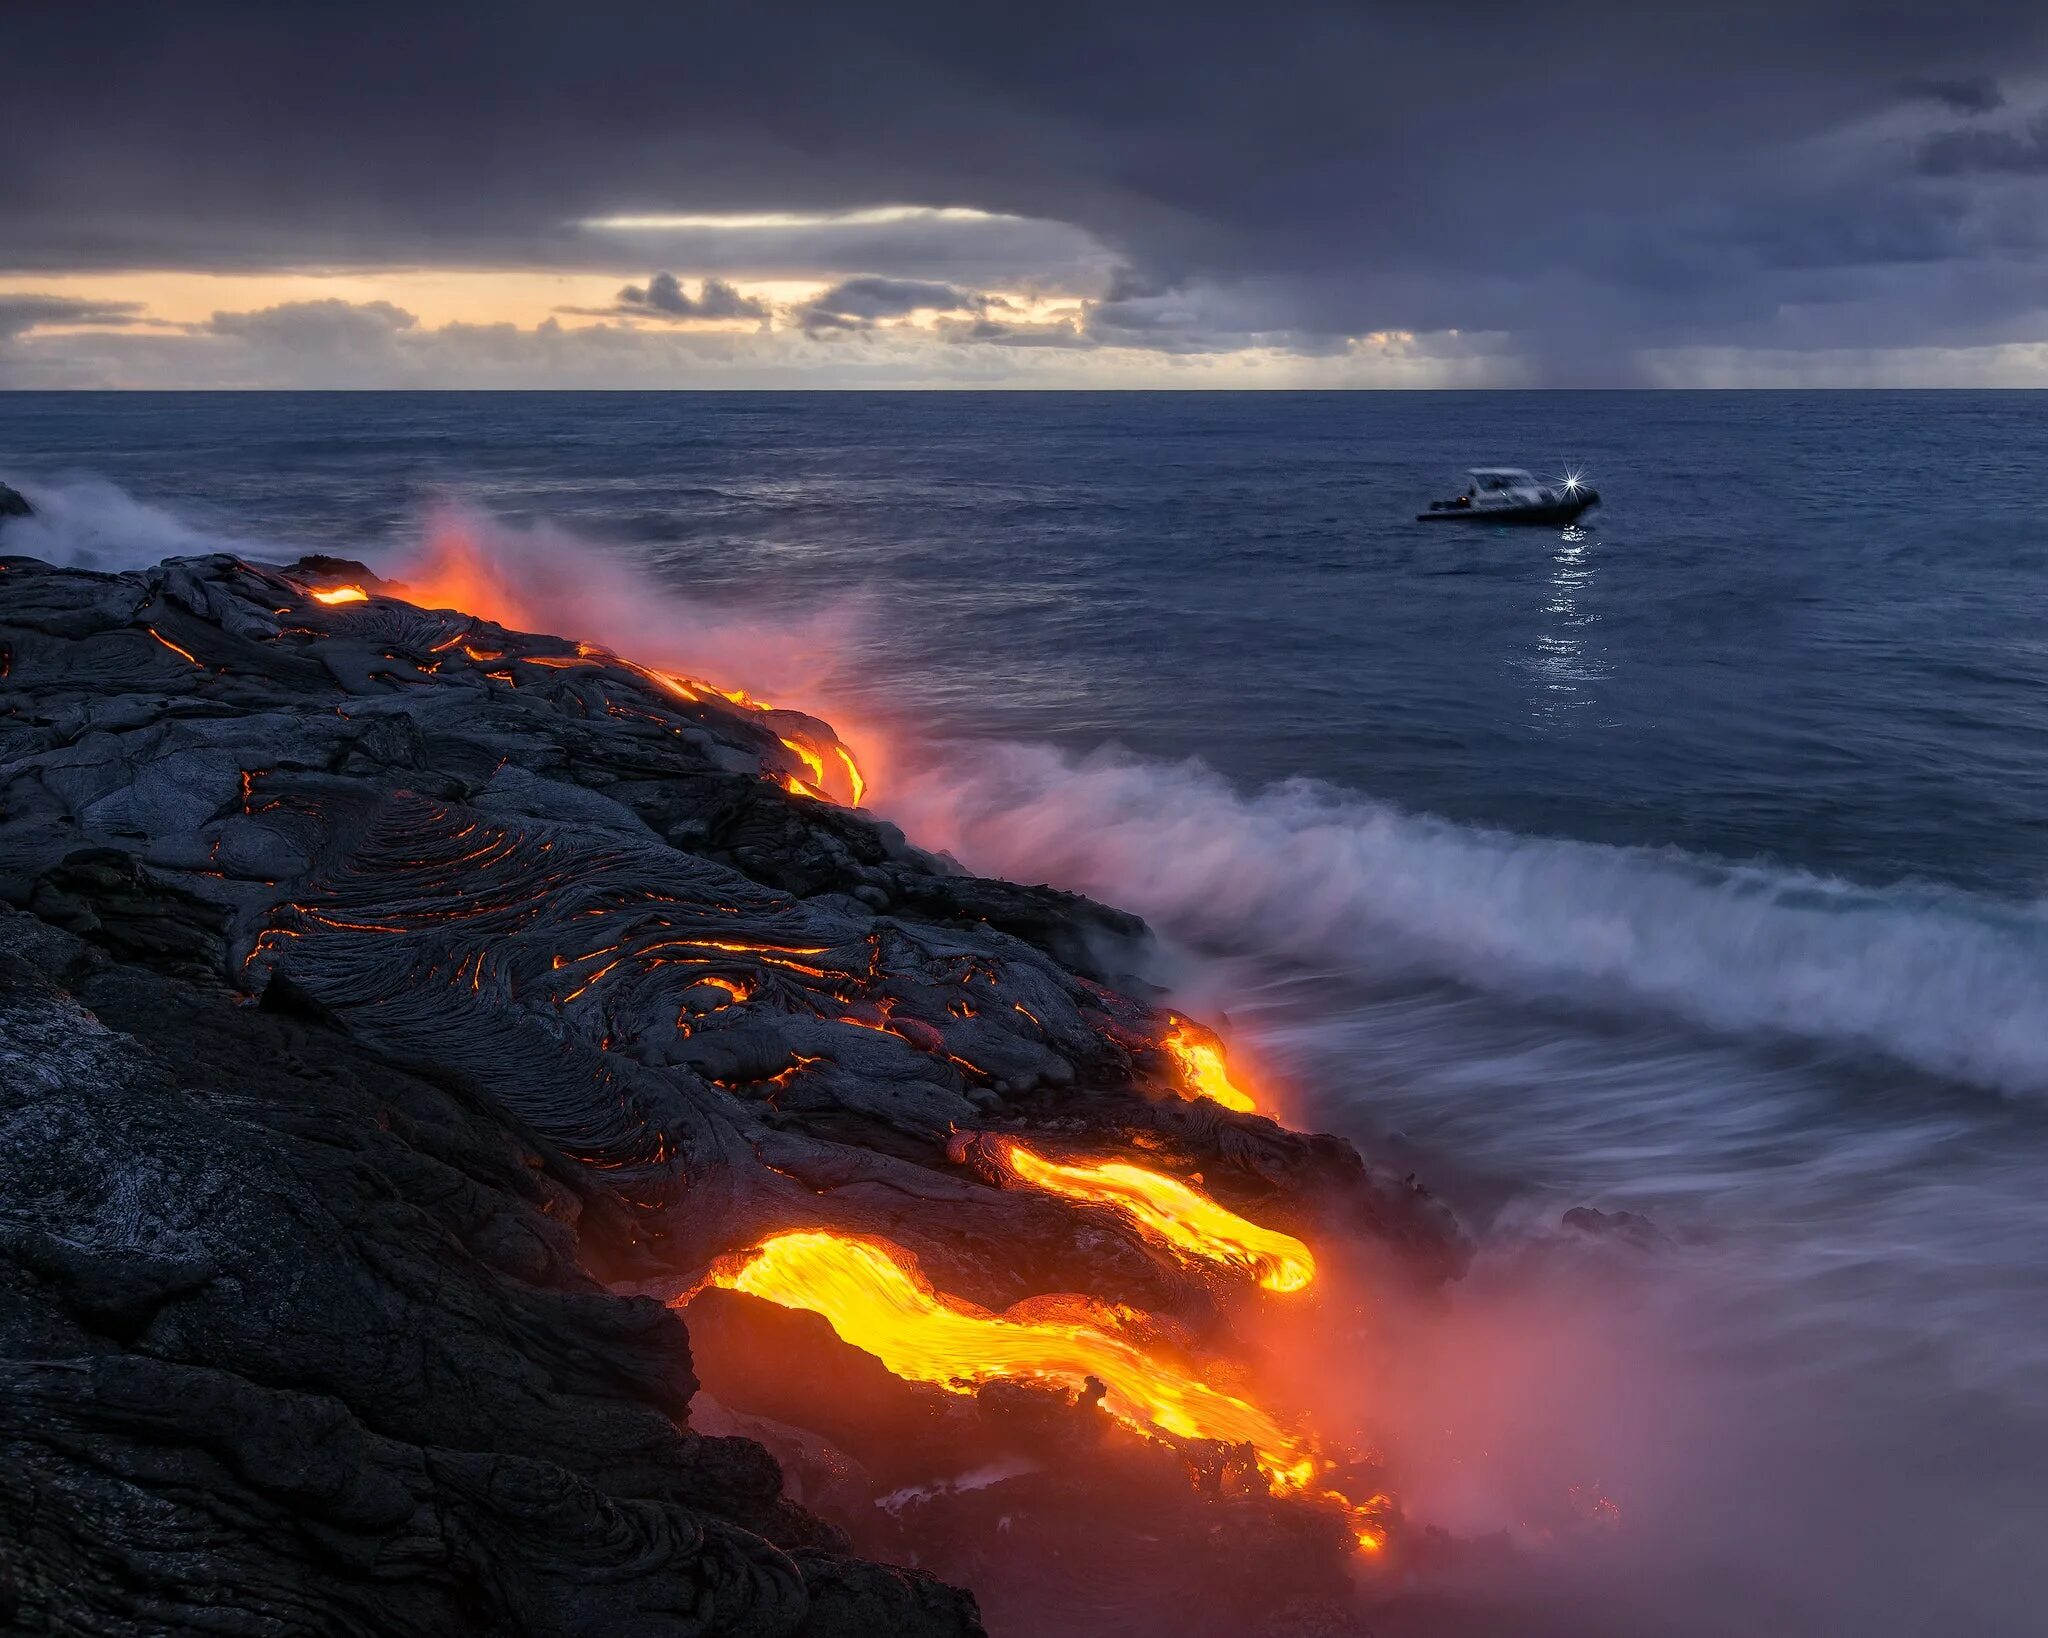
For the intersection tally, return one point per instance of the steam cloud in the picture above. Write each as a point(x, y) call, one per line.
point(541, 578)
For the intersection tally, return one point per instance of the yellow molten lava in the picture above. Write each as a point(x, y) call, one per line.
point(808, 757)
point(858, 785)
point(822, 778)
point(1199, 1057)
point(342, 594)
point(874, 1298)
point(1184, 1217)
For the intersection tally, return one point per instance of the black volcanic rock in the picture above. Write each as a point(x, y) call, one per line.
point(387, 998)
point(14, 504)
point(296, 1341)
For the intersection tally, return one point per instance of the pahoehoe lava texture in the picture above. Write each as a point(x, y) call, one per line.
point(394, 1009)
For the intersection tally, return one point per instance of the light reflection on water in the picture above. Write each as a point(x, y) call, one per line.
point(1567, 666)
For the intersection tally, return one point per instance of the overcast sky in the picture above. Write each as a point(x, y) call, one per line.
point(1271, 194)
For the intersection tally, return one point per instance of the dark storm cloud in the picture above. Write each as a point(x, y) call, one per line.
point(1977, 94)
point(1980, 152)
point(664, 295)
point(1625, 177)
point(1002, 333)
point(23, 311)
point(855, 304)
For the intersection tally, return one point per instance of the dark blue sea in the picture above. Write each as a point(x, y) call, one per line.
point(1689, 862)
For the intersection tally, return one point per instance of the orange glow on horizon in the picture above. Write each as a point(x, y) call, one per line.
point(517, 296)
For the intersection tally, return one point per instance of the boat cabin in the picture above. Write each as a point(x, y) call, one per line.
point(1498, 480)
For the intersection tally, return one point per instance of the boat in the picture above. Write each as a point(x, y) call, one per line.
point(1507, 494)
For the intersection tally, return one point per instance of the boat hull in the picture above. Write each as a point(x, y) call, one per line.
point(1551, 512)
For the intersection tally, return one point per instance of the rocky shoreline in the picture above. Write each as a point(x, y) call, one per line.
point(401, 1017)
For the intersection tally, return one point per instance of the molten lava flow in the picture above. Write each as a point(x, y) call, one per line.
point(456, 573)
point(872, 1295)
point(875, 1300)
point(855, 783)
point(1184, 1217)
point(808, 757)
point(342, 594)
point(822, 776)
point(1198, 1054)
point(183, 653)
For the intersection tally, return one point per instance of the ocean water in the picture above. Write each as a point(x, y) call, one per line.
point(1690, 863)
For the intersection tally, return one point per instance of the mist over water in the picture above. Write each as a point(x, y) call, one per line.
point(1690, 866)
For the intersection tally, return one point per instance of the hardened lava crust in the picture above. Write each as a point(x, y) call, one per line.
point(401, 1015)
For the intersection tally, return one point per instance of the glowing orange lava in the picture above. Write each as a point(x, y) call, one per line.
point(870, 1292)
point(1198, 1054)
point(182, 653)
point(808, 757)
point(455, 572)
point(855, 783)
point(1176, 1212)
point(825, 780)
point(874, 1297)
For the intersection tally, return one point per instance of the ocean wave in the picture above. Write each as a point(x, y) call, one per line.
point(1947, 982)
point(88, 523)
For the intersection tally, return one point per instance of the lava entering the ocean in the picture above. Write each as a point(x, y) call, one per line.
point(1198, 1054)
point(875, 1299)
point(1186, 1219)
point(870, 1292)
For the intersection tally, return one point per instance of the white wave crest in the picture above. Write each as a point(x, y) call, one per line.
point(88, 523)
point(1953, 984)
